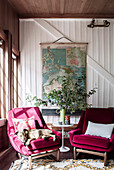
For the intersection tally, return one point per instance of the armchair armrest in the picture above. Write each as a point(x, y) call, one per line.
point(17, 144)
point(112, 139)
point(74, 132)
point(59, 134)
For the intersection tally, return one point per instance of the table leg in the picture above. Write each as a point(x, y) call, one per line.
point(62, 137)
point(63, 148)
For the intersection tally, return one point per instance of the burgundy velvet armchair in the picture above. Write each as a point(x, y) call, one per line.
point(89, 143)
point(36, 146)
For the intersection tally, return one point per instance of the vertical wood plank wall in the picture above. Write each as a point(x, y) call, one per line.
point(8, 21)
point(100, 49)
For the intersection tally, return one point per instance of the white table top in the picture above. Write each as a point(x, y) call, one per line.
point(58, 125)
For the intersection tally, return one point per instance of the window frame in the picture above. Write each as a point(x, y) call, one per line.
point(10, 49)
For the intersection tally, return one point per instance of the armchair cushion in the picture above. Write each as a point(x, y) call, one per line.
point(97, 129)
point(91, 140)
point(41, 143)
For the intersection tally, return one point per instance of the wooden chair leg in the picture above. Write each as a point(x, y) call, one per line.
point(58, 152)
point(30, 161)
point(19, 155)
point(74, 153)
point(105, 158)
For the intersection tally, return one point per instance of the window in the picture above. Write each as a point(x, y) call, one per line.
point(14, 80)
point(9, 81)
point(3, 80)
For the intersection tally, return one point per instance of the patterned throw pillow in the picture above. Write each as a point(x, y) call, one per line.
point(20, 124)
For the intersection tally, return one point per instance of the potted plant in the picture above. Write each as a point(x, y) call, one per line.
point(70, 97)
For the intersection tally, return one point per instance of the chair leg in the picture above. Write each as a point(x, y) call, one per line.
point(19, 155)
point(30, 161)
point(58, 152)
point(105, 158)
point(74, 153)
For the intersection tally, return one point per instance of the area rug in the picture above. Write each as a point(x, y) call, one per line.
point(69, 164)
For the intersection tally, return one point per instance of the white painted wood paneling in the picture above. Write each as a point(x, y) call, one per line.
point(100, 70)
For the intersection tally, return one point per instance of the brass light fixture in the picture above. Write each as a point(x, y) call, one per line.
point(92, 24)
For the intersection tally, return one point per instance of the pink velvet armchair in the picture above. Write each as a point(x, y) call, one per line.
point(37, 146)
point(89, 143)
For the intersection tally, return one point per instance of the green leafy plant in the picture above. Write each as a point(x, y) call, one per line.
point(72, 96)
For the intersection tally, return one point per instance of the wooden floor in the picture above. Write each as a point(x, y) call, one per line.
point(7, 159)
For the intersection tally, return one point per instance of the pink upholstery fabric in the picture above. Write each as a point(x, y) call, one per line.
point(41, 143)
point(96, 143)
point(98, 115)
point(38, 146)
point(24, 113)
point(93, 148)
point(91, 140)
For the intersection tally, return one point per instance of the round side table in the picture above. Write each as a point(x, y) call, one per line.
point(63, 148)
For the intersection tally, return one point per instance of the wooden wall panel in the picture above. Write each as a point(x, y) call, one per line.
point(4, 140)
point(9, 21)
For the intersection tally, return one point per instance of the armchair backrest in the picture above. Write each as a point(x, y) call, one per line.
point(23, 113)
point(97, 115)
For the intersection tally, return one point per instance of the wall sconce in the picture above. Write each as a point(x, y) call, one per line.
point(92, 24)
